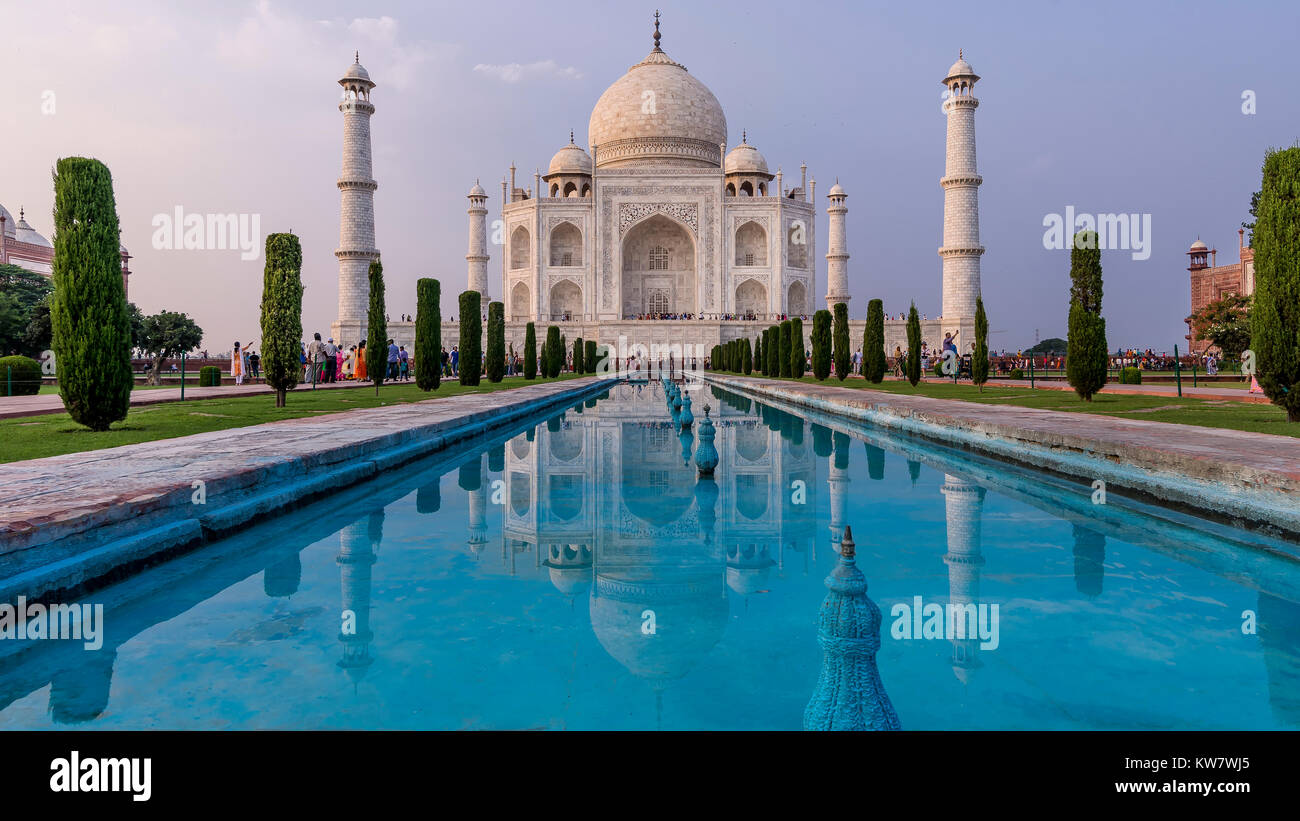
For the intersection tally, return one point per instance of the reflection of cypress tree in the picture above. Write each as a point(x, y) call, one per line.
point(80, 694)
point(796, 431)
point(530, 434)
point(553, 424)
point(821, 436)
point(1279, 633)
point(281, 579)
point(471, 476)
point(913, 470)
point(497, 458)
point(849, 694)
point(875, 462)
point(1089, 560)
point(428, 498)
point(590, 403)
point(841, 441)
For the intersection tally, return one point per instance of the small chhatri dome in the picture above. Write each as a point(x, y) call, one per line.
point(745, 159)
point(961, 68)
point(836, 190)
point(477, 190)
point(571, 159)
point(1199, 245)
point(356, 71)
point(657, 114)
point(23, 232)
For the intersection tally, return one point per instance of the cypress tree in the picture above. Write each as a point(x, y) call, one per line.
point(979, 360)
point(772, 352)
point(841, 340)
point(1275, 319)
point(495, 366)
point(89, 319)
point(873, 342)
point(783, 357)
point(554, 352)
point(428, 334)
point(759, 362)
point(798, 353)
point(376, 327)
point(530, 351)
point(913, 369)
point(1086, 355)
point(747, 358)
point(821, 344)
point(579, 348)
point(589, 356)
point(471, 337)
point(562, 351)
point(282, 314)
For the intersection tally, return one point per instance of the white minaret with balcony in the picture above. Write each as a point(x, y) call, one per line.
point(961, 214)
point(357, 212)
point(477, 257)
point(837, 253)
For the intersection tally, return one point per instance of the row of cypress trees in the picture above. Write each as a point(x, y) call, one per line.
point(736, 356)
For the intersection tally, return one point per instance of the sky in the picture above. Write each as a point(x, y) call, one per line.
point(231, 107)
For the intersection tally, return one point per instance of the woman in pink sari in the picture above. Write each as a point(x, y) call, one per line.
point(338, 364)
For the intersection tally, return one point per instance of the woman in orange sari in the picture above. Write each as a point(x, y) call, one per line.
point(361, 362)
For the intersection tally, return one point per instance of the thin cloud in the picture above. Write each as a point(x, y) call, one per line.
point(517, 72)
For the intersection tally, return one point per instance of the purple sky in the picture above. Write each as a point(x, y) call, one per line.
point(231, 108)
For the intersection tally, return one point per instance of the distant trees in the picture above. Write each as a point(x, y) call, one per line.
point(1086, 355)
point(282, 314)
point(1225, 323)
point(471, 337)
point(165, 335)
point(873, 342)
point(841, 340)
point(24, 311)
point(90, 327)
point(428, 334)
point(1275, 319)
point(821, 344)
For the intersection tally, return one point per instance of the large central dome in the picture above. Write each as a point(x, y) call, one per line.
point(658, 115)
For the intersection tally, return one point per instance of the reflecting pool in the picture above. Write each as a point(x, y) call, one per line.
point(578, 574)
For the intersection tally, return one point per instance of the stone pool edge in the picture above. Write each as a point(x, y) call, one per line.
point(1244, 495)
point(95, 547)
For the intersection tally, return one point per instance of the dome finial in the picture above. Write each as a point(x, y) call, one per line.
point(744, 137)
point(23, 215)
point(657, 35)
point(570, 136)
point(356, 56)
point(959, 57)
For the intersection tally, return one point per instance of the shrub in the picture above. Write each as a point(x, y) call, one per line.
point(495, 366)
point(841, 340)
point(88, 314)
point(428, 334)
point(530, 352)
point(873, 342)
point(22, 375)
point(1016, 373)
point(821, 344)
point(210, 376)
point(1130, 376)
point(471, 337)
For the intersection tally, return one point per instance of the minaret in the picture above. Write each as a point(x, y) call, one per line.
point(961, 217)
point(357, 212)
point(963, 511)
point(477, 255)
point(839, 483)
point(837, 254)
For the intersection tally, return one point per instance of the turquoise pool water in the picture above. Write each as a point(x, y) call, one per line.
point(571, 575)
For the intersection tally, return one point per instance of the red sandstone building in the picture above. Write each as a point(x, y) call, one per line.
point(21, 245)
point(1212, 282)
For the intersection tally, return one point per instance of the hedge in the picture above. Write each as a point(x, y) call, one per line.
point(22, 375)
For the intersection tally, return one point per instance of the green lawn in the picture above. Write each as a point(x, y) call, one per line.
point(31, 437)
point(1210, 413)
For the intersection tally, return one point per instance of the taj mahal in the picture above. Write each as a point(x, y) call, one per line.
point(657, 220)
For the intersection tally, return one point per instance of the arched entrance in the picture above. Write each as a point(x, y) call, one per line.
point(796, 303)
point(659, 269)
point(566, 301)
point(519, 307)
point(751, 298)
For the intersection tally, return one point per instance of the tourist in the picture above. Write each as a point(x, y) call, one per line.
point(455, 361)
point(302, 361)
point(339, 356)
point(254, 365)
point(330, 361)
point(237, 365)
point(446, 366)
point(316, 356)
point(244, 362)
point(350, 362)
point(360, 368)
point(394, 356)
point(403, 362)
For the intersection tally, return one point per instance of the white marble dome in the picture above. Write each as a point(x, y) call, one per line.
point(477, 190)
point(961, 68)
point(25, 233)
point(570, 160)
point(745, 159)
point(1199, 246)
point(657, 114)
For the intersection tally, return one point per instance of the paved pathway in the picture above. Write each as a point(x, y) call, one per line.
point(1231, 394)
